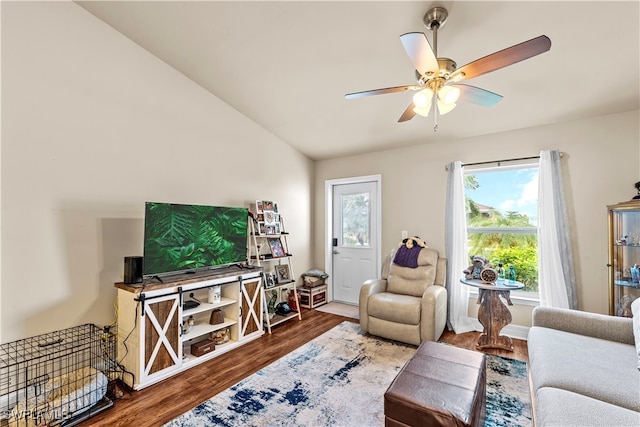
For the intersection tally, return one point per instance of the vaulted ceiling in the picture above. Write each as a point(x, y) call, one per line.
point(287, 65)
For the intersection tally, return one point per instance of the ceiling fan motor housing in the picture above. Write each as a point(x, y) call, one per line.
point(446, 67)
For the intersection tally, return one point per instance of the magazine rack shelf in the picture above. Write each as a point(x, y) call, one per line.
point(268, 248)
point(156, 333)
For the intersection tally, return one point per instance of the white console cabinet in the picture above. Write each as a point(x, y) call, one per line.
point(154, 340)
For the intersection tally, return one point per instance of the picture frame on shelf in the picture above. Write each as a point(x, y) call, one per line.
point(268, 281)
point(267, 205)
point(275, 244)
point(271, 229)
point(258, 206)
point(269, 217)
point(262, 229)
point(282, 273)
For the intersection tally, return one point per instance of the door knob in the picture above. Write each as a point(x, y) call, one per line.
point(335, 252)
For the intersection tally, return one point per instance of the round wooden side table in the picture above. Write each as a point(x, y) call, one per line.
point(494, 313)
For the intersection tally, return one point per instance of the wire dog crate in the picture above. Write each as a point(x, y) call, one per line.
point(58, 378)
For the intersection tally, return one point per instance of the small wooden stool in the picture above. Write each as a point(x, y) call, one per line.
point(440, 385)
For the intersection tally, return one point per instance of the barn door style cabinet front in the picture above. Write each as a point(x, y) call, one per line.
point(624, 256)
point(159, 334)
point(251, 297)
point(161, 338)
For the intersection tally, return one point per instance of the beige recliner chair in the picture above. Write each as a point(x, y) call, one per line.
point(406, 304)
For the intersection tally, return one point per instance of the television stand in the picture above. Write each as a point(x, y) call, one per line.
point(159, 338)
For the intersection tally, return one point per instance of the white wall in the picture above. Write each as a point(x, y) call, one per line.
point(601, 165)
point(92, 127)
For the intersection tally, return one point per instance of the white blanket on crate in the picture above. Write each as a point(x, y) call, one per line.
point(60, 398)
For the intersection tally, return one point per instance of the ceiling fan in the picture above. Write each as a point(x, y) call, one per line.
point(438, 79)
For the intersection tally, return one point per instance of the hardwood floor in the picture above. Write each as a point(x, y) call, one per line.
point(160, 403)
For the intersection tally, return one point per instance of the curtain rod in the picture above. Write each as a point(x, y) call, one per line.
point(446, 167)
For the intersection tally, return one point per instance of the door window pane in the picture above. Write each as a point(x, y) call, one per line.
point(356, 219)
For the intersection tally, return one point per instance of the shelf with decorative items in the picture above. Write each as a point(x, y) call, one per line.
point(268, 248)
point(624, 256)
point(199, 323)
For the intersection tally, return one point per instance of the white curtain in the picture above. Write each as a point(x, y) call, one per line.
point(456, 248)
point(556, 278)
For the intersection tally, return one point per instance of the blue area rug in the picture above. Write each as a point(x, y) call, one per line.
point(508, 397)
point(339, 379)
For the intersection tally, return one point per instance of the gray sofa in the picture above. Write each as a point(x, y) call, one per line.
point(583, 369)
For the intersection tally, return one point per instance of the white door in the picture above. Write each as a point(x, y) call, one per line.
point(355, 238)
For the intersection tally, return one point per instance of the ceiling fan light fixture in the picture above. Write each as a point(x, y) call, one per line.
point(422, 99)
point(422, 111)
point(444, 108)
point(448, 95)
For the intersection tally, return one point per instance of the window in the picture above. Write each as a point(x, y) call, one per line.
point(502, 211)
point(356, 219)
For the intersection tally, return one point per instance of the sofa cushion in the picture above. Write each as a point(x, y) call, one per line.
point(556, 407)
point(395, 308)
point(597, 368)
point(413, 281)
point(635, 311)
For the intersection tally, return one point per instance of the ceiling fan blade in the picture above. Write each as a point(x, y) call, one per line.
point(408, 114)
point(381, 91)
point(478, 96)
point(503, 58)
point(420, 52)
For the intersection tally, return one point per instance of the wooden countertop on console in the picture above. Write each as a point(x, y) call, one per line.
point(185, 278)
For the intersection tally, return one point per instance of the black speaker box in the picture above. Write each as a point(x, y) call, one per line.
point(132, 269)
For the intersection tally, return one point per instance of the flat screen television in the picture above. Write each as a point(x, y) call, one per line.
point(182, 238)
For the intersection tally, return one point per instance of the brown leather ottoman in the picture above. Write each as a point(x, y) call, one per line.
point(440, 385)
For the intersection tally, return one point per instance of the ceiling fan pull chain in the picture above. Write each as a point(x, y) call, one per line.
point(435, 113)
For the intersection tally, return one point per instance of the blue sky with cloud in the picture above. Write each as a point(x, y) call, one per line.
point(508, 190)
